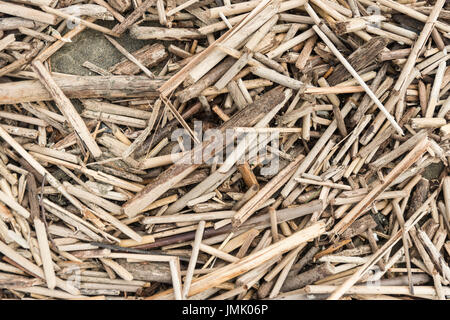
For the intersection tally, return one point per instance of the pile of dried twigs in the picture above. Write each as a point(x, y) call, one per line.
point(262, 149)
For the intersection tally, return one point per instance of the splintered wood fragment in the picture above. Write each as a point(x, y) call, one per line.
point(133, 17)
point(121, 271)
point(27, 13)
point(101, 106)
point(314, 151)
point(87, 23)
point(308, 277)
point(112, 118)
point(193, 259)
point(248, 116)
point(139, 140)
point(420, 123)
point(206, 81)
point(175, 271)
point(180, 7)
point(247, 175)
point(6, 41)
point(89, 10)
point(34, 269)
point(218, 253)
point(238, 84)
point(120, 5)
point(253, 260)
point(305, 53)
point(290, 43)
point(96, 69)
point(49, 51)
point(265, 193)
point(158, 33)
point(340, 121)
point(357, 210)
point(236, 94)
point(4, 171)
point(333, 90)
point(352, 25)
point(13, 204)
point(276, 77)
point(324, 183)
point(232, 9)
point(358, 78)
point(149, 56)
point(434, 95)
point(66, 107)
point(409, 225)
point(130, 57)
point(233, 71)
point(273, 223)
point(44, 250)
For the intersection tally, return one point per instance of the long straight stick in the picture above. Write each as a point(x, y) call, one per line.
point(358, 78)
point(193, 259)
point(342, 289)
point(66, 107)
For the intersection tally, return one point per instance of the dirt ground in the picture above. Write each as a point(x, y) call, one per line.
point(92, 46)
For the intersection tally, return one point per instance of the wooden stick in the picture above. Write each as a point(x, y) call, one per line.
point(358, 78)
point(290, 44)
point(378, 255)
point(276, 77)
point(181, 7)
point(47, 53)
point(194, 257)
point(252, 205)
point(273, 223)
point(247, 175)
point(434, 95)
point(13, 204)
point(416, 15)
point(253, 260)
point(66, 108)
point(133, 17)
point(167, 179)
point(290, 185)
point(34, 269)
point(74, 87)
point(44, 250)
point(420, 123)
point(412, 157)
point(121, 271)
point(116, 14)
point(87, 23)
point(27, 13)
point(129, 56)
point(6, 41)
